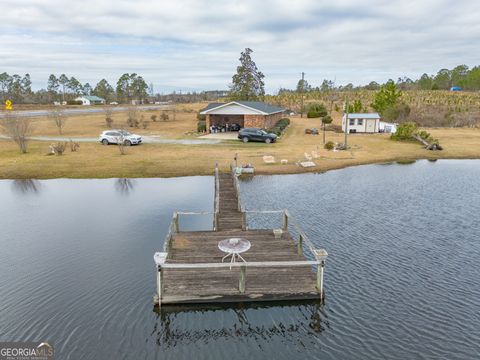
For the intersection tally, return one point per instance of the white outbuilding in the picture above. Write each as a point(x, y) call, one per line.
point(361, 123)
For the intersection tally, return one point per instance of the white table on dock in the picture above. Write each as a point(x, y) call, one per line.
point(234, 247)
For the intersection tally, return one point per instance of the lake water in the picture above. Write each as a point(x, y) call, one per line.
point(402, 278)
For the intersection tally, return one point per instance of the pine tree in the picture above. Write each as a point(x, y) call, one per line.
point(247, 83)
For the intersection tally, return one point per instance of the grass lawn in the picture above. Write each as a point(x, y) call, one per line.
point(151, 160)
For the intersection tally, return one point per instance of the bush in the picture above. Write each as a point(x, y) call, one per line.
point(329, 145)
point(153, 118)
point(280, 126)
point(74, 146)
point(425, 135)
point(201, 126)
point(201, 117)
point(164, 116)
point(58, 148)
point(334, 127)
point(316, 111)
point(74, 102)
point(405, 131)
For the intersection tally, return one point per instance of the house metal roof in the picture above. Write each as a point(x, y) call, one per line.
point(92, 98)
point(364, 116)
point(264, 108)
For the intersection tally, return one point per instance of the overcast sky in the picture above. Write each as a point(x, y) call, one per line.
point(195, 44)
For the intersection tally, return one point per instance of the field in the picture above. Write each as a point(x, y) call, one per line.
point(93, 160)
point(428, 107)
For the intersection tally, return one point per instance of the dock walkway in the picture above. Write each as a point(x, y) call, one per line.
point(229, 216)
point(189, 270)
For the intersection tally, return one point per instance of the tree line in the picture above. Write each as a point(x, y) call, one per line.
point(461, 76)
point(64, 88)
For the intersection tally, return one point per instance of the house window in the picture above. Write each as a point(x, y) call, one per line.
point(352, 122)
point(360, 122)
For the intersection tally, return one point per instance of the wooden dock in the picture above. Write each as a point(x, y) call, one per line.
point(189, 270)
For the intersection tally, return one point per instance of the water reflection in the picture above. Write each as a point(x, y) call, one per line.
point(174, 323)
point(125, 186)
point(26, 186)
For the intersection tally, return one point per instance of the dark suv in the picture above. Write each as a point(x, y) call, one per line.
point(254, 134)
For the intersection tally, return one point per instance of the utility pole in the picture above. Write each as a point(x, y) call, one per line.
point(346, 122)
point(303, 88)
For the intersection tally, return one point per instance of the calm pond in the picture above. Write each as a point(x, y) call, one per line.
point(402, 278)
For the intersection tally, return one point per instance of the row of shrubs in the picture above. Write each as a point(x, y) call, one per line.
point(74, 102)
point(280, 126)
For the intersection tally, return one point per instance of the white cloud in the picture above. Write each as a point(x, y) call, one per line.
point(195, 44)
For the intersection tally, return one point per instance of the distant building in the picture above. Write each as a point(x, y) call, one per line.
point(243, 113)
point(362, 123)
point(90, 100)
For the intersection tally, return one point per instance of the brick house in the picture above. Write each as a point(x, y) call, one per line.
point(244, 113)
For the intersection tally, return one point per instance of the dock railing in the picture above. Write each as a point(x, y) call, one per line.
point(236, 185)
point(175, 226)
point(216, 200)
point(317, 256)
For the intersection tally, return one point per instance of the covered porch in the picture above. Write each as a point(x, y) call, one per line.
point(221, 123)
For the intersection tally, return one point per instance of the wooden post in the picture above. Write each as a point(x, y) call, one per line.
point(159, 284)
point(244, 220)
point(303, 89)
point(321, 256)
point(243, 278)
point(285, 220)
point(346, 123)
point(175, 222)
point(300, 245)
point(159, 258)
point(320, 267)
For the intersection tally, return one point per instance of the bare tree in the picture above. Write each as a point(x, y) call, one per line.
point(18, 129)
point(109, 117)
point(122, 144)
point(132, 117)
point(58, 117)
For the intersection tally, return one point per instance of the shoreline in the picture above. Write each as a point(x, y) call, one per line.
point(209, 172)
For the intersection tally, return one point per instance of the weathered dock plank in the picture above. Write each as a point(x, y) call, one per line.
point(191, 270)
point(222, 285)
point(229, 217)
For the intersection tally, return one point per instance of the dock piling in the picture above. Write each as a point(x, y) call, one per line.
point(285, 220)
point(159, 258)
point(175, 222)
point(300, 245)
point(243, 279)
point(321, 256)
